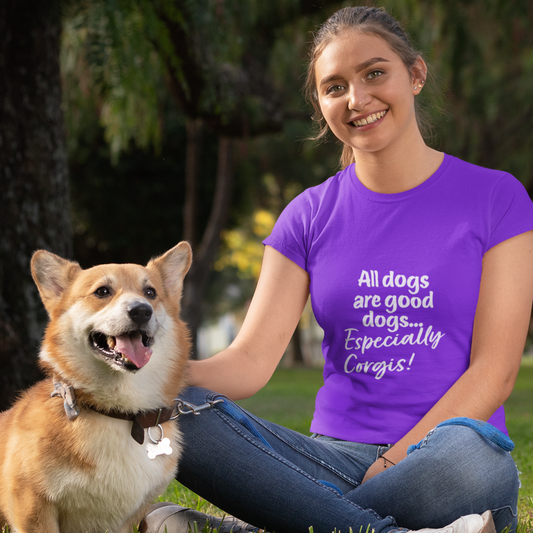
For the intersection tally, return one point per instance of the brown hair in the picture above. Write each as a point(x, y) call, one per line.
point(368, 20)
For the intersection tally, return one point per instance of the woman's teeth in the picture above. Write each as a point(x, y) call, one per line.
point(368, 120)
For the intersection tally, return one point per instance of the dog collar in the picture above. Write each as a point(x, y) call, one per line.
point(141, 421)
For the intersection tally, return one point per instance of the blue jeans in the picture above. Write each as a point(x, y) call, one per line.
point(283, 481)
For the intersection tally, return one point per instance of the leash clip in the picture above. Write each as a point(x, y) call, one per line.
point(187, 408)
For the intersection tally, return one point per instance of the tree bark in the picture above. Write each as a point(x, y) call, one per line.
point(205, 253)
point(192, 172)
point(33, 179)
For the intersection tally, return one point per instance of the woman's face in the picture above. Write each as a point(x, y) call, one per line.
point(365, 92)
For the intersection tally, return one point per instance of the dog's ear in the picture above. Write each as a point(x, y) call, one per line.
point(52, 275)
point(173, 266)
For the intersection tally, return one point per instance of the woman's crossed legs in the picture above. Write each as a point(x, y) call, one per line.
point(283, 481)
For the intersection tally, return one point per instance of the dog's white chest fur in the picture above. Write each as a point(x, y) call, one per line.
point(122, 479)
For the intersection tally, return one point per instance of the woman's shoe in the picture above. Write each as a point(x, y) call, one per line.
point(166, 517)
point(472, 523)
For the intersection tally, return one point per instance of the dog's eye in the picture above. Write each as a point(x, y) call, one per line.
point(102, 292)
point(149, 292)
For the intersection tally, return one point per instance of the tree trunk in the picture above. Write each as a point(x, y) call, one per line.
point(297, 352)
point(205, 252)
point(33, 179)
point(192, 172)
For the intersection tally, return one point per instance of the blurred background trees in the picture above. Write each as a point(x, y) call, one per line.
point(184, 120)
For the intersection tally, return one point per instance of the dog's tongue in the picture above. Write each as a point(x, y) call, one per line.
point(132, 347)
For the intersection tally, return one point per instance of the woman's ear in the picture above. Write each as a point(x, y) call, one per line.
point(419, 72)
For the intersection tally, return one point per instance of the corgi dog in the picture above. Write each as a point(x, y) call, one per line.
point(90, 447)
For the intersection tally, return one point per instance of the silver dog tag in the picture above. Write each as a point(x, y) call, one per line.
point(160, 448)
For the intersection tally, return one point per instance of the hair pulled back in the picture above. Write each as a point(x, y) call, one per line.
point(369, 20)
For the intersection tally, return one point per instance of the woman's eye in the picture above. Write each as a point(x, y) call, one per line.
point(374, 74)
point(334, 89)
point(102, 292)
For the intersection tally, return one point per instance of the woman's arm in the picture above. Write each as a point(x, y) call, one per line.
point(500, 328)
point(249, 362)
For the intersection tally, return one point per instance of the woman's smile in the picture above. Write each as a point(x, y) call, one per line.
point(371, 118)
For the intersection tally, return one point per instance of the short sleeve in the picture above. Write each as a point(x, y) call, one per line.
point(512, 211)
point(289, 235)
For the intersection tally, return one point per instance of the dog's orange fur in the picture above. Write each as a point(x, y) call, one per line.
point(89, 474)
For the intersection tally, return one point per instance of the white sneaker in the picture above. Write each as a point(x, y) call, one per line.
point(472, 523)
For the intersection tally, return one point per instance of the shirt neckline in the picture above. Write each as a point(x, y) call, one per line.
point(399, 196)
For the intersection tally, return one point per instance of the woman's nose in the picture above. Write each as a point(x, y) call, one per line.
point(358, 98)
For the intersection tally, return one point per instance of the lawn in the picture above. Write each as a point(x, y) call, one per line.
point(288, 399)
point(519, 409)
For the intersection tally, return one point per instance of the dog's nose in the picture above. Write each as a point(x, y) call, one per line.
point(140, 313)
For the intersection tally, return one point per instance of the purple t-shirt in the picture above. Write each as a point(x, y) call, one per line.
point(394, 281)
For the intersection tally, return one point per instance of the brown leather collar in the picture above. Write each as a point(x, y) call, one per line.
point(141, 420)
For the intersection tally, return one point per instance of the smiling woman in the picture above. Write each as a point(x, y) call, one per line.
point(358, 77)
point(363, 82)
point(420, 270)
point(373, 22)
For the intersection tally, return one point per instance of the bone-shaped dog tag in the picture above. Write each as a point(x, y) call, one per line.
point(161, 448)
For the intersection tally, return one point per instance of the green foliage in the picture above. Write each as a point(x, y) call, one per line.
point(132, 72)
point(481, 54)
point(110, 65)
point(119, 54)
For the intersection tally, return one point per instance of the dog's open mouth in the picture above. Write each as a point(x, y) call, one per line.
point(130, 350)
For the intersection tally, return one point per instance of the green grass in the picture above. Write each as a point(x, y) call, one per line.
point(289, 399)
point(519, 409)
